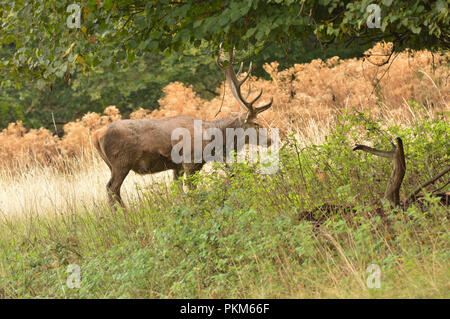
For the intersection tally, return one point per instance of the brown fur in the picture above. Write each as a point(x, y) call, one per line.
point(145, 146)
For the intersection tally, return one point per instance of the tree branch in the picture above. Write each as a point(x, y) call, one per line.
point(412, 197)
point(392, 193)
point(386, 154)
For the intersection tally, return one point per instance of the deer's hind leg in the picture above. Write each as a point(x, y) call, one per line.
point(113, 187)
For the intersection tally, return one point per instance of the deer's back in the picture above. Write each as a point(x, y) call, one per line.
point(143, 145)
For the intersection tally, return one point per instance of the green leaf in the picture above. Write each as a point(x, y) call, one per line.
point(197, 23)
point(108, 4)
point(250, 32)
point(140, 21)
point(416, 30)
point(40, 84)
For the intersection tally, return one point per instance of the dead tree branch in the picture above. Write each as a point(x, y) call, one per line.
point(392, 193)
point(412, 197)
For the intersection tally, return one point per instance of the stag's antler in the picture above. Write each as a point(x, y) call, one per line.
point(235, 85)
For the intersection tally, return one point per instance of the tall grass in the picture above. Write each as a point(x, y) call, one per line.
point(44, 189)
point(309, 230)
point(240, 234)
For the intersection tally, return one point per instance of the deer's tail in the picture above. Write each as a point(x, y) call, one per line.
point(98, 139)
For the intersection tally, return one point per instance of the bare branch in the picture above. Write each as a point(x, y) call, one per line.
point(392, 193)
point(412, 197)
point(386, 154)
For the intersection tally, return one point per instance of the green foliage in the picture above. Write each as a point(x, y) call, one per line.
point(139, 84)
point(115, 31)
point(243, 234)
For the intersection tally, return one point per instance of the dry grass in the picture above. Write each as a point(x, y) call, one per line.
point(48, 190)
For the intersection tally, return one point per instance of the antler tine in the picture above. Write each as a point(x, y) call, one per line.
point(231, 55)
point(257, 97)
point(240, 69)
point(247, 75)
point(264, 107)
point(249, 90)
point(218, 62)
point(236, 84)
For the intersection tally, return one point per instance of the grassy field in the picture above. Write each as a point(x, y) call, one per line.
point(246, 236)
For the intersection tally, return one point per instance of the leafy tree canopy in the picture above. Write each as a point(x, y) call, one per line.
point(114, 32)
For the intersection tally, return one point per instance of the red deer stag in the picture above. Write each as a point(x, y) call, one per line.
point(145, 146)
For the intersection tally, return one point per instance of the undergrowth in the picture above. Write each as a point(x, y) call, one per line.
point(242, 234)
